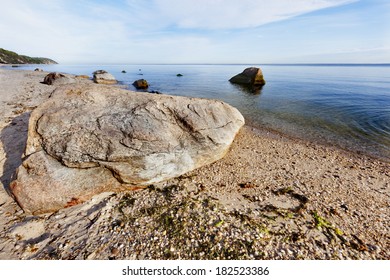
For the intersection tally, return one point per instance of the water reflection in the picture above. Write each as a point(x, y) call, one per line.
point(251, 90)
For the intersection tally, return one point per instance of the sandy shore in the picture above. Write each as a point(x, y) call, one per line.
point(271, 197)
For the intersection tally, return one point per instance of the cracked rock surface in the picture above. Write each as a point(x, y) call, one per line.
point(87, 139)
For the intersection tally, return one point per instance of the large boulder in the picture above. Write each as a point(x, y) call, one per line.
point(55, 78)
point(251, 77)
point(88, 139)
point(103, 77)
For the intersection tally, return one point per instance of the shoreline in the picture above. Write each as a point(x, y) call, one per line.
point(271, 197)
point(348, 150)
point(336, 147)
point(327, 134)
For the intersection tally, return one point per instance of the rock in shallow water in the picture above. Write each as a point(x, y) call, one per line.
point(141, 84)
point(90, 139)
point(252, 77)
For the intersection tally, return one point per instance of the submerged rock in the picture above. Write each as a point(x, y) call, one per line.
point(155, 91)
point(103, 77)
point(251, 77)
point(88, 139)
point(141, 84)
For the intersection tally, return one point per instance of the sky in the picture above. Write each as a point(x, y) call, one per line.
point(198, 31)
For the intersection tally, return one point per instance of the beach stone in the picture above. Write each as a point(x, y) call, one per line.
point(55, 78)
point(252, 77)
point(141, 84)
point(82, 77)
point(103, 77)
point(88, 139)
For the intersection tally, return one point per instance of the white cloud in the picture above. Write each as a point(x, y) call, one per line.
point(56, 29)
point(227, 14)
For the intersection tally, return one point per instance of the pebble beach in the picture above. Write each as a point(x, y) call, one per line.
point(271, 197)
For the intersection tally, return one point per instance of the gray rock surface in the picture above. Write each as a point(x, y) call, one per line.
point(45, 185)
point(103, 77)
point(55, 78)
point(90, 139)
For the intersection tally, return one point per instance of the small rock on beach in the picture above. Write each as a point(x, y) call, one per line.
point(56, 78)
point(103, 77)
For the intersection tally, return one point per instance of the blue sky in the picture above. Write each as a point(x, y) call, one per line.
point(199, 31)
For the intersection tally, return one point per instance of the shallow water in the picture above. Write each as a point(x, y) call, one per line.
point(343, 105)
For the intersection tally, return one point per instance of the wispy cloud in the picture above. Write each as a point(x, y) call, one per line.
point(354, 55)
point(228, 14)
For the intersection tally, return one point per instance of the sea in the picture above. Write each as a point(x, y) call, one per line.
point(342, 105)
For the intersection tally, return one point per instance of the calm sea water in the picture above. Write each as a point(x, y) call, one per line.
point(343, 105)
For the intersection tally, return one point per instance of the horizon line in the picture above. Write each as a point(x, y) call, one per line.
point(275, 64)
point(266, 64)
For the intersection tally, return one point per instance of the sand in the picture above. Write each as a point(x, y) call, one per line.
point(271, 197)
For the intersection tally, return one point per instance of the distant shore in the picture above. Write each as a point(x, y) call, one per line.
point(271, 197)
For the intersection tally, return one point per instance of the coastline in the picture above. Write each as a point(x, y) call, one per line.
point(271, 197)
